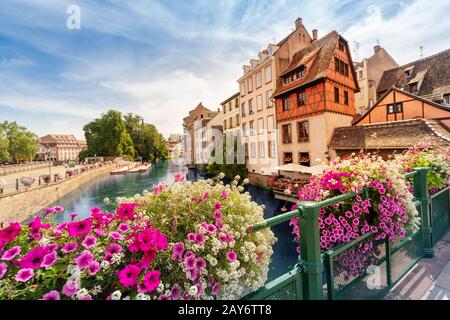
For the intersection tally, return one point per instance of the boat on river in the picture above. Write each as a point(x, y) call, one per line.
point(121, 170)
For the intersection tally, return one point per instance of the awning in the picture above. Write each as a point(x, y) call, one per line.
point(293, 167)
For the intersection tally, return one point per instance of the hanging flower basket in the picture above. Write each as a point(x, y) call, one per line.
point(46, 178)
point(27, 181)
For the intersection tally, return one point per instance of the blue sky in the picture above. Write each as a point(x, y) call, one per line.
point(160, 58)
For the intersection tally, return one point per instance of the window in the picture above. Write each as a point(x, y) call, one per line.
point(360, 74)
point(243, 109)
point(250, 84)
point(287, 133)
point(286, 103)
point(244, 129)
point(287, 157)
point(269, 102)
point(336, 95)
point(268, 74)
point(253, 149)
point(224, 109)
point(413, 87)
point(252, 127)
point(225, 123)
point(301, 98)
point(261, 125)
point(303, 131)
point(237, 120)
point(395, 108)
point(303, 159)
point(341, 46)
point(341, 67)
point(270, 123)
point(262, 149)
point(346, 98)
point(258, 80)
point(230, 123)
point(230, 108)
point(447, 99)
point(250, 106)
point(271, 145)
point(236, 103)
point(242, 88)
point(259, 103)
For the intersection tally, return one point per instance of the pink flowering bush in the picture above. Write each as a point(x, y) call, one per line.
point(185, 241)
point(438, 160)
point(385, 208)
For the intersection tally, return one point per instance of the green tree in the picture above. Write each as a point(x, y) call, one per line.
point(107, 136)
point(147, 141)
point(4, 144)
point(22, 144)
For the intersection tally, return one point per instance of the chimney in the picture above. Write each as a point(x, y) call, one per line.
point(376, 48)
point(314, 34)
point(298, 23)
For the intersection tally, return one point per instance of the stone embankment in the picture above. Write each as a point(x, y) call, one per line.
point(21, 205)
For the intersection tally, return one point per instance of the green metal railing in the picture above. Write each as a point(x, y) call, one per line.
point(305, 280)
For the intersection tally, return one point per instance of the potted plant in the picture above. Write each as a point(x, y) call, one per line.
point(27, 181)
point(46, 178)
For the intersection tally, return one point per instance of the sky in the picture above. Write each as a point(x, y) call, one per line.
point(159, 59)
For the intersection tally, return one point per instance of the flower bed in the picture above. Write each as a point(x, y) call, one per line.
point(184, 241)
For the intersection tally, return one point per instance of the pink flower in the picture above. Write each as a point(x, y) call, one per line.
point(151, 280)
point(49, 259)
point(215, 288)
point(191, 237)
point(210, 228)
point(34, 258)
point(224, 195)
point(179, 176)
point(126, 211)
point(89, 242)
point(24, 274)
point(123, 227)
point(3, 268)
point(159, 188)
point(217, 214)
point(200, 263)
point(36, 226)
point(217, 206)
point(93, 268)
point(72, 246)
point(177, 251)
point(95, 210)
point(70, 288)
point(200, 238)
point(84, 259)
point(79, 228)
point(115, 235)
point(52, 295)
point(175, 291)
point(86, 297)
point(128, 276)
point(114, 248)
point(11, 253)
point(231, 256)
point(73, 215)
point(9, 233)
point(189, 262)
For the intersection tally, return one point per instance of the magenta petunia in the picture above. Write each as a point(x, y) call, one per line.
point(215, 288)
point(72, 246)
point(93, 268)
point(189, 262)
point(11, 253)
point(126, 211)
point(123, 227)
point(24, 274)
point(151, 280)
point(70, 288)
point(84, 259)
point(52, 295)
point(115, 235)
point(114, 248)
point(49, 259)
point(86, 297)
point(89, 242)
point(128, 276)
point(79, 228)
point(231, 256)
point(34, 258)
point(3, 269)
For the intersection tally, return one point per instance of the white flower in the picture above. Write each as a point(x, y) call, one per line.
point(193, 290)
point(246, 181)
point(116, 295)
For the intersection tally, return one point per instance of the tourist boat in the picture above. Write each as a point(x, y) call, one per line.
point(121, 170)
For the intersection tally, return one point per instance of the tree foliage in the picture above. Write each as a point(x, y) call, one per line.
point(115, 135)
point(21, 144)
point(107, 136)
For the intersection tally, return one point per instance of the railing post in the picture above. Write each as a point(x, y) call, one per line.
point(421, 194)
point(310, 251)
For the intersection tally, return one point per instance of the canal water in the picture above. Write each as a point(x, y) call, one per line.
point(112, 186)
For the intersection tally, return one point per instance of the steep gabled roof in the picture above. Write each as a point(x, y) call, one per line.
point(409, 94)
point(432, 73)
point(317, 58)
point(390, 135)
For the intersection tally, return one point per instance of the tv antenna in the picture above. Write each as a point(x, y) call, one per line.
point(421, 52)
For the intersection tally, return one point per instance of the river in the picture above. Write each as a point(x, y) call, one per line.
point(112, 186)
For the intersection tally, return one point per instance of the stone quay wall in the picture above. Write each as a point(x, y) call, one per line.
point(21, 205)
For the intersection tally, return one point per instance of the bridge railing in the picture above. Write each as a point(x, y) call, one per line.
point(320, 274)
